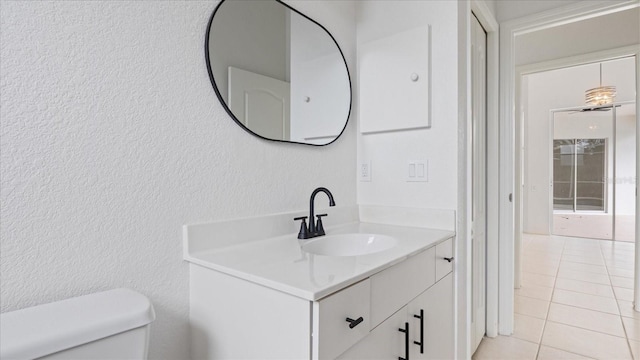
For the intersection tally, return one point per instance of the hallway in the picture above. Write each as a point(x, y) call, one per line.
point(575, 303)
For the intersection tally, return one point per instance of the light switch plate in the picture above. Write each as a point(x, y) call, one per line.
point(417, 171)
point(364, 171)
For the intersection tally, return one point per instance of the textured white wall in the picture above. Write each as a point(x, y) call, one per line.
point(112, 138)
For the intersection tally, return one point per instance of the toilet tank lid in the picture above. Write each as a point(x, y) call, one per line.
point(45, 329)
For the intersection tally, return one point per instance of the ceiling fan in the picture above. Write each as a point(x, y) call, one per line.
point(595, 108)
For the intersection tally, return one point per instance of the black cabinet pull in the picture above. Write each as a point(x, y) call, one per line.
point(421, 343)
point(354, 323)
point(449, 259)
point(406, 341)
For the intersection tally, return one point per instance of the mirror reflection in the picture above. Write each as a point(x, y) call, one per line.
point(279, 74)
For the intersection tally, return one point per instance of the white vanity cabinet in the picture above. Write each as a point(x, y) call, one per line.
point(422, 328)
point(231, 317)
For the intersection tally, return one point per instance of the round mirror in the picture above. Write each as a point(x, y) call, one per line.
point(280, 75)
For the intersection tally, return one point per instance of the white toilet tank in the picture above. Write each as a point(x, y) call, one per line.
point(112, 324)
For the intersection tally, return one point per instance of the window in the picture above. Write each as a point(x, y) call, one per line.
point(579, 174)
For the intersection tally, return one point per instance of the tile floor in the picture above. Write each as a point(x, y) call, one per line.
point(596, 225)
point(575, 303)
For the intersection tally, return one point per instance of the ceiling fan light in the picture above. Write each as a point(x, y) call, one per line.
point(602, 95)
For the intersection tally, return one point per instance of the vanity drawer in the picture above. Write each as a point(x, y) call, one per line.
point(444, 251)
point(394, 287)
point(332, 333)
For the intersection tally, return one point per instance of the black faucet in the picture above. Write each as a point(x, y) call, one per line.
point(315, 228)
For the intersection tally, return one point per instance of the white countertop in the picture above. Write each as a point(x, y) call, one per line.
point(280, 263)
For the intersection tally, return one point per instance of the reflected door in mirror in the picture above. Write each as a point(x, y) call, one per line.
point(260, 102)
point(280, 75)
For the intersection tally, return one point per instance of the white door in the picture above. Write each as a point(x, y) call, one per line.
point(260, 103)
point(479, 184)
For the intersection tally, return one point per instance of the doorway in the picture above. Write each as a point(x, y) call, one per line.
point(556, 268)
point(578, 161)
point(556, 48)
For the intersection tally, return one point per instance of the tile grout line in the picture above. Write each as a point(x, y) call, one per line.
point(570, 352)
point(546, 319)
point(624, 328)
point(586, 308)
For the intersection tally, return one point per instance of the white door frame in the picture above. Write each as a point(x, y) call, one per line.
point(510, 224)
point(636, 282)
point(463, 247)
point(463, 243)
point(490, 25)
point(478, 157)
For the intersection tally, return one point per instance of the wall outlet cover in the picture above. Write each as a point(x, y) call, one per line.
point(364, 171)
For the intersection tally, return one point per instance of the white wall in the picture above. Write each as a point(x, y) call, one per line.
point(113, 138)
point(626, 165)
point(557, 89)
point(390, 151)
point(493, 7)
point(513, 9)
point(615, 30)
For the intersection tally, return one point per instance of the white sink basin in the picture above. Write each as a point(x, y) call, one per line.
point(349, 244)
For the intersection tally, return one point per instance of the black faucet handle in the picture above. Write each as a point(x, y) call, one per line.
point(319, 227)
point(303, 233)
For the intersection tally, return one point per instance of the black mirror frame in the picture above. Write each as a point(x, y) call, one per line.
point(226, 107)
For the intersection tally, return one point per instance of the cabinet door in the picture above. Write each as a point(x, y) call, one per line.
point(232, 318)
point(393, 288)
point(384, 342)
point(332, 333)
point(432, 336)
